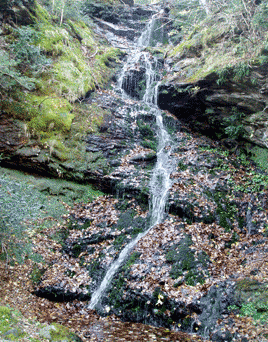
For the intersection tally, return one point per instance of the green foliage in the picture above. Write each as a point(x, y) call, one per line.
point(258, 311)
point(254, 182)
point(119, 241)
point(186, 14)
point(149, 144)
point(62, 64)
point(226, 211)
point(60, 333)
point(145, 130)
point(253, 297)
point(26, 50)
point(223, 74)
point(260, 18)
point(260, 156)
point(35, 199)
point(230, 37)
point(73, 73)
point(241, 70)
point(7, 322)
point(15, 327)
point(10, 76)
point(182, 166)
point(132, 260)
point(233, 126)
point(193, 278)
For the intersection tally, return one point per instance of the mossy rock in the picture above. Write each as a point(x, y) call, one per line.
point(14, 327)
point(253, 298)
point(57, 332)
point(185, 264)
point(260, 156)
point(9, 327)
point(247, 284)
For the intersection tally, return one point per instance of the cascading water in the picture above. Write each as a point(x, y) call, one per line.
point(160, 182)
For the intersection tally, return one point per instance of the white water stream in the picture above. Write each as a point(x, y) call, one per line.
point(160, 182)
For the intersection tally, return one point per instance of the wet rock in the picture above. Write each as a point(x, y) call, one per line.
point(216, 303)
point(20, 12)
point(147, 156)
point(246, 103)
point(206, 106)
point(134, 83)
point(59, 294)
point(118, 30)
point(128, 2)
point(256, 127)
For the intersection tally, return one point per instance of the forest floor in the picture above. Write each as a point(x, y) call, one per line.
point(45, 202)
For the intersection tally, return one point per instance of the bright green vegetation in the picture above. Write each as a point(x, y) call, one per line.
point(36, 200)
point(254, 182)
point(231, 37)
point(49, 65)
point(15, 327)
point(254, 300)
point(8, 320)
point(260, 156)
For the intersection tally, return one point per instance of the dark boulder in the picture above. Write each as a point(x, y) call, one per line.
point(128, 2)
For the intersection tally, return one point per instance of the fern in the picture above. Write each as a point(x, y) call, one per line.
point(10, 76)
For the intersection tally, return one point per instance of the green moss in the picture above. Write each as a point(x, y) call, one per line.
point(15, 327)
point(253, 297)
point(184, 263)
point(9, 328)
point(54, 39)
point(41, 14)
point(77, 65)
point(60, 333)
point(182, 166)
point(48, 113)
point(184, 46)
point(132, 260)
point(119, 241)
point(5, 312)
point(260, 156)
point(149, 144)
point(84, 32)
point(73, 73)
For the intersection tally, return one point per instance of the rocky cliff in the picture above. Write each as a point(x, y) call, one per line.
point(194, 271)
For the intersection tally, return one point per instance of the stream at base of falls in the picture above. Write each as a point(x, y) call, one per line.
point(160, 182)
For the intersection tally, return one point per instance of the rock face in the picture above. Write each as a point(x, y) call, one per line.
point(128, 2)
point(208, 107)
point(185, 270)
point(20, 11)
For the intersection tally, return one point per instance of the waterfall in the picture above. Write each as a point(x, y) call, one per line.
point(160, 182)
